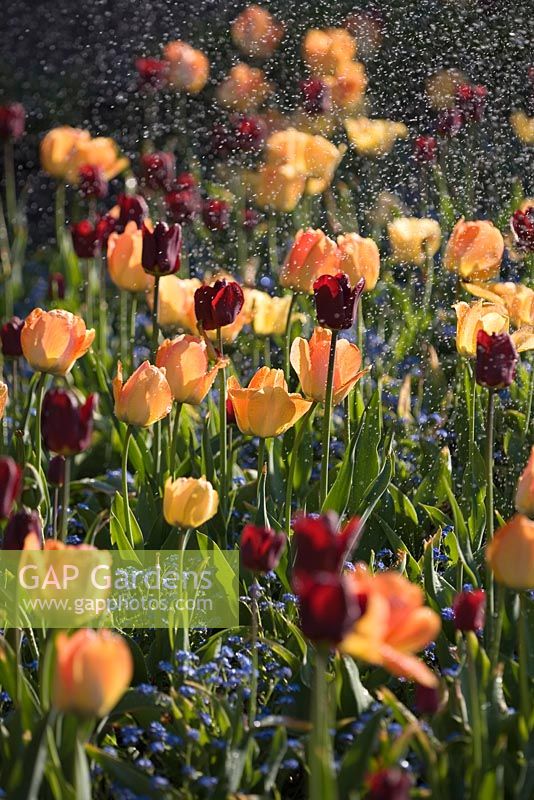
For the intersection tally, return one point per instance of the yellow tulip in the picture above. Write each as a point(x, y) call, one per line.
point(474, 250)
point(124, 260)
point(374, 137)
point(321, 159)
point(510, 553)
point(441, 87)
point(270, 313)
point(489, 317)
point(412, 238)
point(93, 670)
point(523, 127)
point(53, 340)
point(287, 149)
point(359, 258)
point(515, 297)
point(266, 408)
point(524, 496)
point(189, 502)
point(186, 364)
point(176, 302)
point(145, 398)
point(58, 150)
point(310, 362)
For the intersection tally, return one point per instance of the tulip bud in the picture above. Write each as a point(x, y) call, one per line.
point(105, 226)
point(316, 96)
point(152, 72)
point(12, 121)
point(524, 496)
point(390, 784)
point(93, 670)
point(158, 170)
point(251, 219)
point(131, 208)
point(522, 224)
point(470, 610)
point(23, 531)
point(66, 425)
point(184, 205)
point(230, 413)
point(335, 302)
point(84, 239)
point(10, 485)
point(92, 183)
point(450, 122)
point(56, 286)
point(496, 360)
point(427, 699)
point(249, 134)
point(52, 341)
point(183, 181)
point(510, 554)
point(471, 101)
point(189, 502)
point(261, 548)
point(161, 248)
point(56, 471)
point(319, 544)
point(328, 607)
point(10, 337)
point(145, 398)
point(218, 305)
point(425, 149)
point(216, 214)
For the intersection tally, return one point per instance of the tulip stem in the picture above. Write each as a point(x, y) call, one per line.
point(524, 689)
point(490, 418)
point(155, 330)
point(530, 398)
point(293, 464)
point(496, 628)
point(322, 783)
point(102, 308)
point(254, 652)
point(131, 331)
point(476, 721)
point(326, 419)
point(273, 243)
point(39, 394)
point(11, 186)
point(174, 439)
point(124, 476)
point(65, 496)
point(222, 427)
point(429, 278)
point(287, 348)
point(262, 484)
point(123, 327)
point(60, 216)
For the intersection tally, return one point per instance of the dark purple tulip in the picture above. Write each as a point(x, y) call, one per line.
point(425, 149)
point(261, 548)
point(158, 171)
point(470, 610)
point(249, 134)
point(450, 122)
point(10, 485)
point(132, 208)
point(427, 699)
point(84, 239)
point(522, 224)
point(152, 72)
point(216, 214)
point(56, 286)
point(218, 305)
point(390, 784)
point(184, 205)
point(19, 526)
point(471, 101)
point(319, 544)
point(92, 183)
point(10, 337)
point(12, 121)
point(496, 360)
point(336, 302)
point(161, 249)
point(56, 471)
point(316, 96)
point(67, 425)
point(328, 607)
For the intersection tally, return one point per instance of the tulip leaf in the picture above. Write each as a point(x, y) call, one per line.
point(118, 527)
point(355, 762)
point(125, 774)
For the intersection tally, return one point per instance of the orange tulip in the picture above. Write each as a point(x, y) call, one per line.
point(348, 86)
point(394, 625)
point(322, 158)
point(488, 317)
point(53, 340)
point(270, 313)
point(93, 670)
point(186, 364)
point(266, 408)
point(272, 188)
point(515, 297)
point(360, 258)
point(474, 250)
point(412, 238)
point(99, 152)
point(524, 496)
point(58, 149)
point(374, 137)
point(325, 51)
point(287, 149)
point(4, 398)
point(256, 32)
point(189, 68)
point(510, 553)
point(310, 362)
point(244, 88)
point(311, 255)
point(145, 398)
point(124, 260)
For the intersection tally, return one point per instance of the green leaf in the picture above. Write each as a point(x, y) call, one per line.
point(355, 762)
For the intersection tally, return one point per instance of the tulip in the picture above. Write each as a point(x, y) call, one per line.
point(185, 360)
point(244, 88)
point(523, 127)
point(52, 341)
point(322, 158)
point(56, 471)
point(261, 548)
point(12, 121)
point(327, 607)
point(256, 33)
point(176, 302)
point(270, 314)
point(522, 224)
point(58, 150)
point(189, 502)
point(524, 496)
point(10, 334)
point(216, 214)
point(336, 303)
point(10, 485)
point(310, 362)
point(249, 134)
point(152, 72)
point(56, 286)
point(374, 137)
point(92, 183)
point(67, 426)
point(510, 554)
point(312, 254)
point(441, 87)
point(93, 669)
point(124, 259)
point(450, 122)
point(316, 96)
point(359, 258)
point(184, 205)
point(414, 240)
point(145, 398)
point(393, 626)
point(130, 208)
point(4, 398)
point(320, 546)
point(496, 360)
point(488, 317)
point(287, 148)
point(188, 69)
point(517, 299)
point(218, 305)
point(325, 51)
point(427, 699)
point(274, 189)
point(161, 249)
point(390, 784)
point(348, 87)
point(425, 149)
point(469, 609)
point(23, 531)
point(85, 239)
point(158, 171)
point(101, 152)
point(471, 101)
point(474, 250)
point(105, 226)
point(266, 408)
